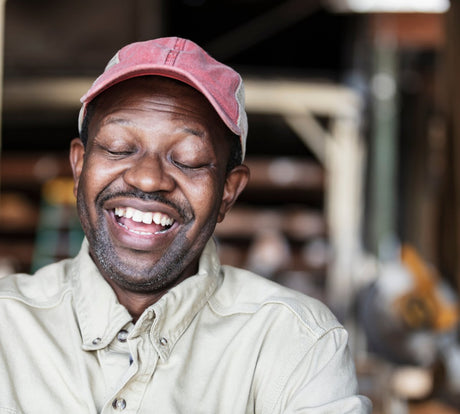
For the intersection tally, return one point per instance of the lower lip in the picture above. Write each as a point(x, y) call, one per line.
point(134, 239)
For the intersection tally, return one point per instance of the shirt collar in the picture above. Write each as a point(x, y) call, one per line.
point(101, 316)
point(173, 313)
point(99, 313)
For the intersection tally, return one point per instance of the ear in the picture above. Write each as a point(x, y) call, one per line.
point(234, 184)
point(76, 156)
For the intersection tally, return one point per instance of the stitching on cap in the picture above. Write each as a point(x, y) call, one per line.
point(171, 58)
point(179, 46)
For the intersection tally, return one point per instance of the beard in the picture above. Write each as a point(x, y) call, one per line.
point(138, 278)
point(134, 275)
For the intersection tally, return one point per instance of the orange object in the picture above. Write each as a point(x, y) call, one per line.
point(425, 306)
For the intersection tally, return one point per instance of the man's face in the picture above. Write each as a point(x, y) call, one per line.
point(151, 183)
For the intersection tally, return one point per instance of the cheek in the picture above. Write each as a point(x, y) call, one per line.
point(205, 198)
point(92, 181)
point(88, 182)
point(98, 173)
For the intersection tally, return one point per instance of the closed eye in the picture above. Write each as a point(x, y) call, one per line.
point(114, 151)
point(119, 153)
point(190, 165)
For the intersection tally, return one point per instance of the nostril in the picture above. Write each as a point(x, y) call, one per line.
point(149, 175)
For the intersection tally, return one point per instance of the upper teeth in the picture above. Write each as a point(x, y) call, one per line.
point(143, 217)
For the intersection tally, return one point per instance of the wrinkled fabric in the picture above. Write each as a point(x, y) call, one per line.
point(224, 341)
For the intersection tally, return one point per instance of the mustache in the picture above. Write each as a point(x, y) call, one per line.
point(184, 212)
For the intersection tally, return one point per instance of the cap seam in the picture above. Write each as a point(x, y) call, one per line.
point(171, 57)
point(174, 52)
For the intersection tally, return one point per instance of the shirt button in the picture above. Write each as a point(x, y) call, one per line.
point(122, 335)
point(119, 404)
point(97, 341)
point(163, 341)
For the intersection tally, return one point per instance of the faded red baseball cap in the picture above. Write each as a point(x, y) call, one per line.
point(184, 60)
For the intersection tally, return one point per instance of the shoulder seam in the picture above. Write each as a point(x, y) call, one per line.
point(49, 303)
point(322, 327)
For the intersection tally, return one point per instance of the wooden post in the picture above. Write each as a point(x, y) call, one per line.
point(2, 30)
point(450, 219)
point(383, 148)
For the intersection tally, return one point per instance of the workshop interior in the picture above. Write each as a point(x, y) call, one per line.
point(353, 146)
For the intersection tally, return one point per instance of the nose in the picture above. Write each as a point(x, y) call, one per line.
point(149, 174)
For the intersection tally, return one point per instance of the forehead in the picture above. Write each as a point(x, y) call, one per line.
point(156, 94)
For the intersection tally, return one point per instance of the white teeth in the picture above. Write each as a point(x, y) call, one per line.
point(147, 219)
point(144, 217)
point(138, 216)
point(129, 212)
point(157, 218)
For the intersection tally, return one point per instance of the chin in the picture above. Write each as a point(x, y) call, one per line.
point(143, 276)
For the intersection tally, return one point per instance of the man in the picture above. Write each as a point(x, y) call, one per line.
point(145, 319)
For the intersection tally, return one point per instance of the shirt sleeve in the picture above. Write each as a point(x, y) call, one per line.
point(324, 380)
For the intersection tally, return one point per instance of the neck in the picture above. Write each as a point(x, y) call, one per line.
point(135, 302)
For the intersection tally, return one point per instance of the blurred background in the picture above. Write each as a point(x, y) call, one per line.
point(354, 147)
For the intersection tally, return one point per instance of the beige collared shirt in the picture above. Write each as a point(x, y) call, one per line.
point(224, 341)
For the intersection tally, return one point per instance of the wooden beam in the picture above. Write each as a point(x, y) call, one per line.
point(415, 30)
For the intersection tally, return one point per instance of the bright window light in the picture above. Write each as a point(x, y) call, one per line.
point(421, 6)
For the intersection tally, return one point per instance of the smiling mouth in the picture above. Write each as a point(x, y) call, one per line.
point(142, 223)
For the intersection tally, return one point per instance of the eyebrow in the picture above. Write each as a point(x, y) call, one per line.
point(125, 121)
point(193, 131)
point(122, 121)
